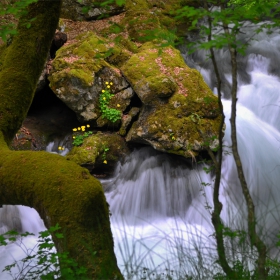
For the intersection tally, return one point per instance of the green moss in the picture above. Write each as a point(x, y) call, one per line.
point(67, 194)
point(59, 190)
point(190, 109)
point(23, 64)
point(81, 60)
point(93, 152)
point(136, 5)
point(3, 52)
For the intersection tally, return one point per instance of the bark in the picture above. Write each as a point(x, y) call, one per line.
point(255, 240)
point(61, 191)
point(216, 220)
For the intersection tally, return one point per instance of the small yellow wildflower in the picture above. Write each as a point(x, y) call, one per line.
point(103, 90)
point(74, 137)
point(105, 161)
point(104, 98)
point(111, 83)
point(173, 138)
point(88, 125)
point(60, 148)
point(108, 86)
point(79, 128)
point(74, 129)
point(106, 83)
point(83, 127)
point(118, 105)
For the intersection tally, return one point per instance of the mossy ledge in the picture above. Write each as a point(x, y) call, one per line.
point(60, 190)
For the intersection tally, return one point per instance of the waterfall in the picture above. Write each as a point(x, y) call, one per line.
point(161, 204)
point(22, 219)
point(161, 212)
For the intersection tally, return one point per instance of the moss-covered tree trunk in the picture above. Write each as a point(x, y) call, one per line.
point(61, 191)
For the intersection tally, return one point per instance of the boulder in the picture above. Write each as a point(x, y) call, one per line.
point(99, 151)
point(80, 72)
point(180, 114)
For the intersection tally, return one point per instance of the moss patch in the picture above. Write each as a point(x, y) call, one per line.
point(98, 148)
point(190, 109)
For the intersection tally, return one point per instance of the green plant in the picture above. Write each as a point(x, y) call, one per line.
point(110, 114)
point(78, 138)
point(44, 264)
point(15, 8)
point(173, 138)
point(196, 118)
point(104, 155)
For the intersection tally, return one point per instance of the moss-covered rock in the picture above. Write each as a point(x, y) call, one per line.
point(101, 151)
point(88, 9)
point(80, 71)
point(180, 113)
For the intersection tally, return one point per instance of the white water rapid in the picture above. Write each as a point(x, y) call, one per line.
point(161, 204)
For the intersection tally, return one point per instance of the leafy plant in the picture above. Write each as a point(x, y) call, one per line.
point(44, 264)
point(173, 138)
point(78, 138)
point(104, 155)
point(110, 114)
point(15, 8)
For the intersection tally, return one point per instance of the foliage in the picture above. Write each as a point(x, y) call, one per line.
point(104, 155)
point(15, 9)
point(248, 5)
point(219, 24)
point(42, 262)
point(110, 114)
point(78, 138)
point(237, 13)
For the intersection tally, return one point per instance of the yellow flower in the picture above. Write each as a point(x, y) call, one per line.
point(83, 127)
point(103, 90)
point(106, 83)
point(88, 125)
point(111, 83)
point(60, 148)
point(118, 105)
point(104, 98)
point(79, 128)
point(173, 138)
point(108, 86)
point(74, 137)
point(105, 161)
point(74, 129)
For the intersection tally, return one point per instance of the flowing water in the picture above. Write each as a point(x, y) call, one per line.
point(161, 204)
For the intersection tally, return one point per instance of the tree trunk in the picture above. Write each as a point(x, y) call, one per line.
point(61, 191)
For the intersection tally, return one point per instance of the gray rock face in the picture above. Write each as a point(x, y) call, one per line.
point(84, 101)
